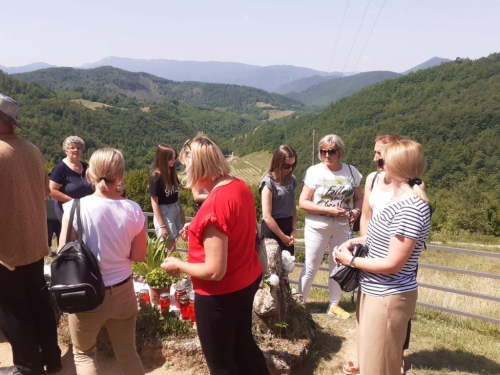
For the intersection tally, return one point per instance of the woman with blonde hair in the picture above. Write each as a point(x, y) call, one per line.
point(330, 190)
point(279, 214)
point(113, 229)
point(222, 262)
point(169, 215)
point(388, 282)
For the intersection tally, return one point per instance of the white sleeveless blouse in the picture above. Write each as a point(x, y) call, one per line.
point(379, 199)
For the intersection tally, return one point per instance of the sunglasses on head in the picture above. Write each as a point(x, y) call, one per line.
point(329, 152)
point(187, 143)
point(288, 166)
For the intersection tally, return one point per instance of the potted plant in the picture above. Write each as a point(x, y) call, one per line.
point(155, 254)
point(159, 282)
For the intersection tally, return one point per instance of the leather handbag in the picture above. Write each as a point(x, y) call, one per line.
point(260, 248)
point(76, 280)
point(348, 277)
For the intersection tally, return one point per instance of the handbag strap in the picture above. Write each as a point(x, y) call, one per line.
point(74, 207)
point(374, 179)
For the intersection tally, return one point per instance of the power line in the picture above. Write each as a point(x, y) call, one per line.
point(359, 28)
point(338, 35)
point(363, 50)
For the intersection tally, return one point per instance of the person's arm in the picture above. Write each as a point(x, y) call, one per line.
point(158, 217)
point(64, 231)
point(400, 249)
point(138, 247)
point(366, 212)
point(56, 194)
point(215, 266)
point(358, 205)
point(198, 196)
point(267, 206)
point(306, 203)
point(183, 215)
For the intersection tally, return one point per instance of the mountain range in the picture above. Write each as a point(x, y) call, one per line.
point(274, 78)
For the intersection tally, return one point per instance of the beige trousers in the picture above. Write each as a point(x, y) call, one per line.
point(381, 325)
point(118, 311)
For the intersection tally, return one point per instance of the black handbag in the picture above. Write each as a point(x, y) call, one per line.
point(76, 281)
point(348, 277)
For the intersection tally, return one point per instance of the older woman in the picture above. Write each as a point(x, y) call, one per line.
point(222, 262)
point(388, 282)
point(113, 229)
point(67, 180)
point(331, 188)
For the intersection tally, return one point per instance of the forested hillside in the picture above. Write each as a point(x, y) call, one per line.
point(332, 90)
point(48, 117)
point(452, 109)
point(149, 88)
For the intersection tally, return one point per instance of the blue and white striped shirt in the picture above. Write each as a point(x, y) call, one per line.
point(409, 218)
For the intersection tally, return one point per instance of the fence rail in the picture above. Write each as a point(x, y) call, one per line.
point(487, 297)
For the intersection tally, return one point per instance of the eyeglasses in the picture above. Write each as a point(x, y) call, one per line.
point(74, 148)
point(329, 152)
point(288, 166)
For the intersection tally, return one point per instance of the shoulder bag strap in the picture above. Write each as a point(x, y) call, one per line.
point(374, 179)
point(352, 176)
point(70, 222)
point(79, 221)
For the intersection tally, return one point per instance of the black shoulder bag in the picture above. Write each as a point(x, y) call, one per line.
point(76, 281)
point(348, 277)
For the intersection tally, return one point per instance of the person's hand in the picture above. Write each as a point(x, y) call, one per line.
point(342, 255)
point(170, 266)
point(292, 235)
point(287, 240)
point(335, 211)
point(184, 232)
point(164, 232)
point(353, 216)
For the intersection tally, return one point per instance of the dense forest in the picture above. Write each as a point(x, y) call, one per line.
point(452, 109)
point(48, 117)
point(332, 90)
point(93, 83)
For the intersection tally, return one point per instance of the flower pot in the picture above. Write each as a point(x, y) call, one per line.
point(155, 293)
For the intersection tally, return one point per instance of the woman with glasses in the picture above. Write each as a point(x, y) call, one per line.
point(222, 262)
point(164, 191)
point(67, 179)
point(331, 196)
point(279, 214)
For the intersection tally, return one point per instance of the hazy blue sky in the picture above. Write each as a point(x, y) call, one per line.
point(301, 33)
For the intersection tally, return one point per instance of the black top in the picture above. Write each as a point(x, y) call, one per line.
point(157, 189)
point(73, 184)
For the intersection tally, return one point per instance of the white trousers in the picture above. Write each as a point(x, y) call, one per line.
point(316, 242)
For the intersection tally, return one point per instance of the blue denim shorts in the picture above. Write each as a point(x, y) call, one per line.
point(171, 215)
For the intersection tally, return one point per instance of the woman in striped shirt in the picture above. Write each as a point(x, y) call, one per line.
point(395, 238)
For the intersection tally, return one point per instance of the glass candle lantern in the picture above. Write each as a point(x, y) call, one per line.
point(164, 301)
point(184, 306)
point(144, 297)
point(179, 292)
point(191, 308)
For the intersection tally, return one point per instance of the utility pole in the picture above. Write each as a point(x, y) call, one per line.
point(314, 143)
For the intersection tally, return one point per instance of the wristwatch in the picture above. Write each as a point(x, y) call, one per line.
point(352, 265)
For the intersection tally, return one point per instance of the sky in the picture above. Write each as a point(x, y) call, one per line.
point(307, 33)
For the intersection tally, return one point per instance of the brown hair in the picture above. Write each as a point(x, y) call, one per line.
point(404, 161)
point(165, 153)
point(276, 168)
point(203, 160)
point(106, 165)
point(388, 138)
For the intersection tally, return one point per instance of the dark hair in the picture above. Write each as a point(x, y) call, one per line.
point(276, 168)
point(164, 154)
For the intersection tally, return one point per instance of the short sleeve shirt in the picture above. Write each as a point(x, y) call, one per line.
point(408, 218)
point(157, 189)
point(231, 209)
point(331, 189)
point(24, 184)
point(283, 203)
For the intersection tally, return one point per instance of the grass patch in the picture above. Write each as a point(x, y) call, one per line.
point(91, 105)
point(274, 114)
point(263, 105)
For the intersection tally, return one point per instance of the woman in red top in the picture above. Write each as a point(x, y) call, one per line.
point(222, 262)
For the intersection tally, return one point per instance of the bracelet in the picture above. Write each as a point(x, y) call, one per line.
point(352, 265)
point(163, 226)
point(359, 211)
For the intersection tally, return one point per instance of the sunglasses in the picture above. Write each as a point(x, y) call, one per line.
point(187, 143)
point(288, 166)
point(329, 152)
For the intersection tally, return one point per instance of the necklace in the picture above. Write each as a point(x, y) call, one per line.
point(394, 198)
